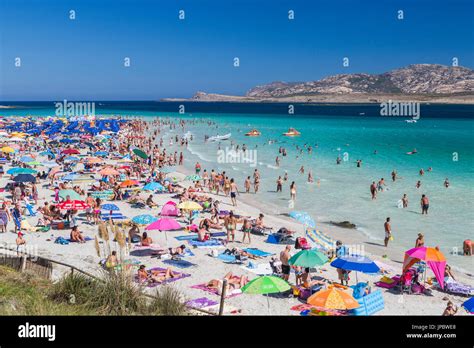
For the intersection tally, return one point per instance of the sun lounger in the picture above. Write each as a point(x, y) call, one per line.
point(179, 276)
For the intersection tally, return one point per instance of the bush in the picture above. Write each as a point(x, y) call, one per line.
point(167, 301)
point(73, 288)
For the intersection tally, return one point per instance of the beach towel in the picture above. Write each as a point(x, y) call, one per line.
point(260, 269)
point(179, 263)
point(228, 309)
point(151, 246)
point(258, 252)
point(201, 302)
point(226, 258)
point(179, 276)
point(61, 240)
point(208, 243)
point(385, 285)
point(192, 236)
point(204, 287)
point(29, 207)
point(85, 238)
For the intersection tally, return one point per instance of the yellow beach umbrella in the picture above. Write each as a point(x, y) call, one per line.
point(7, 149)
point(333, 298)
point(189, 205)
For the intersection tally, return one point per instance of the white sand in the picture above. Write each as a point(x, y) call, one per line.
point(84, 256)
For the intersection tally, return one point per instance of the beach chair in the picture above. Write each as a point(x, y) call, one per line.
point(406, 281)
point(276, 267)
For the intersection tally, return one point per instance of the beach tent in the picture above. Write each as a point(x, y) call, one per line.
point(432, 256)
point(169, 209)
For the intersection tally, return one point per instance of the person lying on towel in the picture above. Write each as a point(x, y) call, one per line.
point(155, 276)
point(233, 283)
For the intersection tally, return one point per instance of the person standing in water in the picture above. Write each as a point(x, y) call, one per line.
point(247, 185)
point(446, 183)
point(302, 170)
point(279, 184)
point(285, 177)
point(277, 161)
point(405, 200)
point(394, 175)
point(388, 231)
point(418, 184)
point(373, 190)
point(425, 204)
point(293, 191)
point(256, 180)
point(310, 176)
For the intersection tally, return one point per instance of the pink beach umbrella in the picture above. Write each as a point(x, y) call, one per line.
point(169, 209)
point(432, 256)
point(164, 224)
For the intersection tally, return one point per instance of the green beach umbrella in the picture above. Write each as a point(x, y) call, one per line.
point(140, 153)
point(266, 285)
point(308, 258)
point(73, 195)
point(34, 163)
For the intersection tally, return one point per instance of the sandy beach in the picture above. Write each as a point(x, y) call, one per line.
point(206, 267)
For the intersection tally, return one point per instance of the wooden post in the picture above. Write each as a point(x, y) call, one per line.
point(23, 263)
point(223, 293)
point(72, 271)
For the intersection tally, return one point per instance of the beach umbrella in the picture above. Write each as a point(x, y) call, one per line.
point(266, 285)
point(17, 139)
point(73, 195)
point(140, 153)
point(24, 178)
point(84, 179)
point(193, 177)
point(47, 153)
point(73, 205)
point(26, 159)
point(34, 163)
point(70, 152)
point(128, 183)
point(333, 298)
point(469, 305)
point(7, 149)
point(93, 160)
point(109, 171)
point(164, 224)
point(169, 209)
point(101, 153)
point(18, 170)
point(110, 207)
point(50, 164)
point(71, 159)
point(189, 205)
point(303, 218)
point(154, 186)
point(70, 177)
point(356, 263)
point(432, 256)
point(308, 258)
point(145, 219)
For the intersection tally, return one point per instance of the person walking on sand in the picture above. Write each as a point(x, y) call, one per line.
point(231, 225)
point(293, 191)
point(425, 204)
point(388, 231)
point(247, 184)
point(284, 258)
point(234, 191)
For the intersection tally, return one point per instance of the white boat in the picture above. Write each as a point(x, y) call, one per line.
point(220, 137)
point(410, 121)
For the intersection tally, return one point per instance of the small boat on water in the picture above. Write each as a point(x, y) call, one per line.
point(410, 121)
point(291, 133)
point(220, 137)
point(253, 133)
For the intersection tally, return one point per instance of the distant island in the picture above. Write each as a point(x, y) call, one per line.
point(423, 83)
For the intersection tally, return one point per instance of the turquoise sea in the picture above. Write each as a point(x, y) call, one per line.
point(443, 138)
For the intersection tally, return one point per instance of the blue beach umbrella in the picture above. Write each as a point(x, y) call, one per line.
point(144, 219)
point(109, 207)
point(469, 305)
point(72, 159)
point(24, 178)
point(70, 177)
point(153, 186)
point(303, 218)
point(101, 153)
point(18, 170)
point(47, 153)
point(26, 159)
point(356, 263)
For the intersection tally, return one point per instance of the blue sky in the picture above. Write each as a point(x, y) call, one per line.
point(83, 59)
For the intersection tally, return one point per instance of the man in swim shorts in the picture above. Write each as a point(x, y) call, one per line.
point(285, 267)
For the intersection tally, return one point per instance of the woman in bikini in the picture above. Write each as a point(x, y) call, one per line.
point(154, 276)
